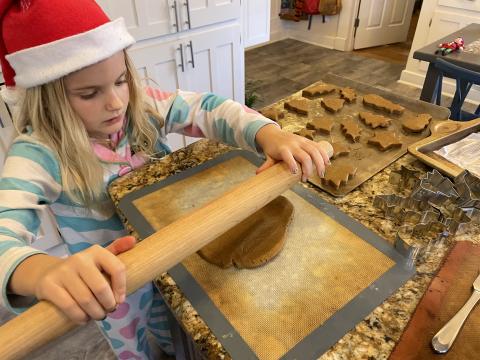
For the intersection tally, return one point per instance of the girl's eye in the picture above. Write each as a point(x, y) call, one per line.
point(88, 96)
point(121, 82)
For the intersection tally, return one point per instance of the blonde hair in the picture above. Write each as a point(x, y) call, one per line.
point(54, 122)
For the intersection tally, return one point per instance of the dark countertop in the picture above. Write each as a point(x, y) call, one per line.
point(372, 338)
point(467, 60)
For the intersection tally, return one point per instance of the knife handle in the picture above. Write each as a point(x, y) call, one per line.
point(444, 339)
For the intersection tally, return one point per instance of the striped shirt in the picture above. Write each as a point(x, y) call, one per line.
point(31, 179)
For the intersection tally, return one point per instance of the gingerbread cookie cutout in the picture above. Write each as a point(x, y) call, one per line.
point(350, 129)
point(380, 103)
point(321, 124)
point(348, 94)
point(339, 174)
point(309, 134)
point(416, 124)
point(340, 149)
point(318, 90)
point(385, 140)
point(299, 106)
point(333, 105)
point(374, 120)
point(273, 114)
point(254, 241)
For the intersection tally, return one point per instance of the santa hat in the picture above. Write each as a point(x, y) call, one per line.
point(43, 40)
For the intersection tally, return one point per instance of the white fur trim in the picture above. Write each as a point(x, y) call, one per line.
point(44, 63)
point(12, 95)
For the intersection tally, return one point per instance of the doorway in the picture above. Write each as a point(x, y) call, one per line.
point(396, 52)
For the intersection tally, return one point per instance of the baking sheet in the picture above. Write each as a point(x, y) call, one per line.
point(367, 158)
point(295, 306)
point(443, 134)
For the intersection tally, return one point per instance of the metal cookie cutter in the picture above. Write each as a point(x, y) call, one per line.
point(468, 186)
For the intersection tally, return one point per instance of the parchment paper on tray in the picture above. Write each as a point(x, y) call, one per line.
point(464, 153)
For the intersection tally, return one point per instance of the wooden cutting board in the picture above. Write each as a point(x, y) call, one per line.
point(447, 293)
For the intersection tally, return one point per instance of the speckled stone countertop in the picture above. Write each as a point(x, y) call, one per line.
point(375, 336)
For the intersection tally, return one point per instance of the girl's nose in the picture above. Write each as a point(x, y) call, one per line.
point(114, 102)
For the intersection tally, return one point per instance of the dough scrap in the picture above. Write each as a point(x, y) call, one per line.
point(254, 241)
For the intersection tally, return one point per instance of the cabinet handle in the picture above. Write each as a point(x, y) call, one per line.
point(174, 7)
point(188, 22)
point(182, 65)
point(191, 54)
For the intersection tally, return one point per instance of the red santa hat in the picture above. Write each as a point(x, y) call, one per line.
point(43, 40)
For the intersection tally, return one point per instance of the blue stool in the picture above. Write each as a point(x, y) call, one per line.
point(465, 79)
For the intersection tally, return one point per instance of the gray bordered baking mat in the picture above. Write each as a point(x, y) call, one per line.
point(323, 337)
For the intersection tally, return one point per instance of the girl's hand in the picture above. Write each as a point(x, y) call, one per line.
point(78, 285)
point(281, 145)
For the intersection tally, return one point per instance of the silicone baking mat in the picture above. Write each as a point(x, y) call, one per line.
point(331, 273)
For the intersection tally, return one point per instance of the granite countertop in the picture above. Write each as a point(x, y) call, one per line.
point(375, 336)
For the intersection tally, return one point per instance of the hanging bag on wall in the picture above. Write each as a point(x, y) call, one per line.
point(329, 7)
point(310, 7)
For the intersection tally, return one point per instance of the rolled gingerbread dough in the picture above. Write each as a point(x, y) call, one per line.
point(254, 241)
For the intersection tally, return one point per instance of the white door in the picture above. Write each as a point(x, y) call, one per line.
point(256, 22)
point(145, 18)
point(382, 22)
point(214, 61)
point(196, 13)
point(162, 65)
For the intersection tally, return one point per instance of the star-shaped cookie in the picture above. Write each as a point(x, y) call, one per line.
point(272, 114)
point(309, 134)
point(340, 149)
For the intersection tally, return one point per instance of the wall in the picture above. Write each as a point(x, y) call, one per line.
point(335, 33)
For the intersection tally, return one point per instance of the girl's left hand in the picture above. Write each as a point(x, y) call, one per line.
point(281, 145)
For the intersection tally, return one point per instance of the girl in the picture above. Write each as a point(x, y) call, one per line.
point(83, 121)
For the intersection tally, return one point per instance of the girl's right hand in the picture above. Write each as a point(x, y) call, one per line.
point(89, 284)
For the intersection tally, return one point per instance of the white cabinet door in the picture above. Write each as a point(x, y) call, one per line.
point(256, 22)
point(196, 13)
point(214, 63)
point(145, 18)
point(161, 63)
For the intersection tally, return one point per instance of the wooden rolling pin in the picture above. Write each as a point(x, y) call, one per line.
point(156, 254)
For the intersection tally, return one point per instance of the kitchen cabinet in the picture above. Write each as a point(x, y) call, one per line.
point(152, 18)
point(256, 22)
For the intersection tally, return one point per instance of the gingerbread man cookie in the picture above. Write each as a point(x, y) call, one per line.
point(333, 105)
point(374, 120)
point(338, 174)
point(416, 124)
point(321, 124)
point(380, 103)
point(385, 140)
point(351, 129)
point(317, 90)
point(300, 106)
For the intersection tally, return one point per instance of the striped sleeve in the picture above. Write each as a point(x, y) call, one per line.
point(211, 116)
point(30, 181)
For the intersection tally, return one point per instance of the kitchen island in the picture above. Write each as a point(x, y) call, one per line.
point(372, 338)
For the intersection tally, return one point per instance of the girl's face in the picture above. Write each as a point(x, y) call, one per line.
point(99, 94)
